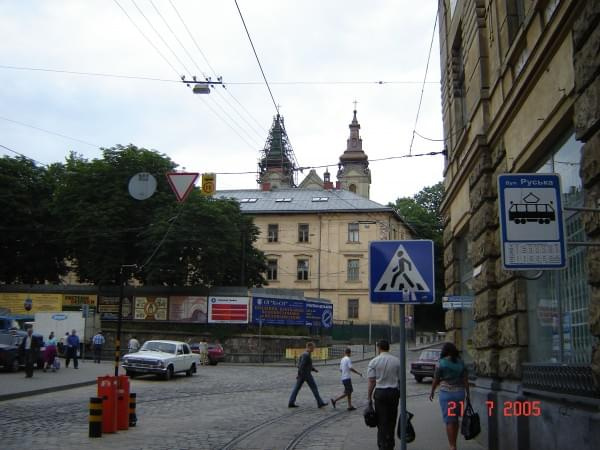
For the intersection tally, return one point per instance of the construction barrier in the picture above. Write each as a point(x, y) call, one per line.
point(132, 415)
point(123, 402)
point(107, 390)
point(95, 418)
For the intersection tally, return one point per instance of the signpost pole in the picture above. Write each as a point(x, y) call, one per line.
point(260, 337)
point(403, 378)
point(119, 320)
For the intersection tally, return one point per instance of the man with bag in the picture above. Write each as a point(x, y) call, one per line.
point(72, 349)
point(383, 374)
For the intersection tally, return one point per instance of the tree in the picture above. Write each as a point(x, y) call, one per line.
point(31, 250)
point(422, 213)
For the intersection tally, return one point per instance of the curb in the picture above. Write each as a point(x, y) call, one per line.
point(63, 387)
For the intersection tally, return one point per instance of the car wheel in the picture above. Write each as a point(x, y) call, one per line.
point(418, 378)
point(168, 374)
point(130, 373)
point(189, 373)
point(212, 362)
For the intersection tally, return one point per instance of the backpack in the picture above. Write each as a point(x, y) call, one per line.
point(56, 363)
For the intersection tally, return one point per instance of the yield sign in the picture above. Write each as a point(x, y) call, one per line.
point(182, 183)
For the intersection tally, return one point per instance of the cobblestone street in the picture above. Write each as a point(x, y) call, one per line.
point(227, 406)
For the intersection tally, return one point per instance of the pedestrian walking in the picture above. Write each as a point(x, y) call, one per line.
point(50, 352)
point(72, 349)
point(346, 369)
point(134, 345)
point(452, 378)
point(383, 374)
point(305, 369)
point(29, 348)
point(98, 343)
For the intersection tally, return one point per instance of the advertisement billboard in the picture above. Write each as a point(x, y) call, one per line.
point(150, 308)
point(319, 314)
point(41, 302)
point(228, 309)
point(187, 308)
point(108, 307)
point(278, 311)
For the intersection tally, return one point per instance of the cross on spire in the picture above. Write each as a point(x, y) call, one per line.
point(355, 102)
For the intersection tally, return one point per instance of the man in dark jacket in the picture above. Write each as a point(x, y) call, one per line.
point(72, 349)
point(305, 368)
point(30, 348)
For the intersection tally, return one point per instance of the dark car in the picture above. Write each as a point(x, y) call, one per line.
point(426, 364)
point(9, 352)
point(216, 354)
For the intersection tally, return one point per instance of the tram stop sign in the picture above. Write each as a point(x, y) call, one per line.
point(531, 221)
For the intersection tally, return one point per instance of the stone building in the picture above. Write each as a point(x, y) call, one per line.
point(316, 234)
point(521, 94)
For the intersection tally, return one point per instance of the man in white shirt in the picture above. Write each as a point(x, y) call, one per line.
point(346, 369)
point(384, 377)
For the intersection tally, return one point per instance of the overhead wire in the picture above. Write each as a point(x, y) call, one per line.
point(178, 73)
point(22, 155)
point(64, 136)
point(193, 39)
point(257, 58)
point(424, 79)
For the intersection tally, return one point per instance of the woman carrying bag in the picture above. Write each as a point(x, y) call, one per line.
point(451, 375)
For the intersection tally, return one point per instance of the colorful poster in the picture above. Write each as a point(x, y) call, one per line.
point(108, 307)
point(187, 308)
point(228, 310)
point(40, 302)
point(75, 302)
point(151, 308)
point(319, 314)
point(278, 311)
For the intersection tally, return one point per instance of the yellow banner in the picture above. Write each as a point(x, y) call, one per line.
point(319, 354)
point(79, 299)
point(15, 302)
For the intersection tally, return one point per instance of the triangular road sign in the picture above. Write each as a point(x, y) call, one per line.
point(402, 275)
point(182, 183)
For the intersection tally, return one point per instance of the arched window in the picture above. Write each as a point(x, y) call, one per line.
point(352, 188)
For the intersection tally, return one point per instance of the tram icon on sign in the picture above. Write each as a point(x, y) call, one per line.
point(531, 211)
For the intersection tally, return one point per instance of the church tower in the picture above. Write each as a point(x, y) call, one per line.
point(353, 169)
point(277, 165)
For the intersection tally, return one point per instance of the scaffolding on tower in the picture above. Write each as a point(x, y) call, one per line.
point(278, 155)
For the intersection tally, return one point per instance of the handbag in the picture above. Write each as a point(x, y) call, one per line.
point(370, 416)
point(470, 426)
point(410, 430)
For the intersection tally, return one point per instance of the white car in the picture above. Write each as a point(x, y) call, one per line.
point(162, 358)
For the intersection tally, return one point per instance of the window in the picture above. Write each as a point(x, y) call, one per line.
point(186, 350)
point(515, 16)
point(458, 90)
point(558, 302)
point(283, 200)
point(352, 308)
point(272, 269)
point(273, 233)
point(303, 269)
point(353, 266)
point(353, 232)
point(303, 232)
point(320, 199)
point(352, 188)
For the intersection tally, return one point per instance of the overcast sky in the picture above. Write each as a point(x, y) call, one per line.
point(340, 42)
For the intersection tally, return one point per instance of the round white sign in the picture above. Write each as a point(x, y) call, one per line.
point(142, 186)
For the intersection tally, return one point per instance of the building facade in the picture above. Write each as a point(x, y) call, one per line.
point(520, 94)
point(316, 235)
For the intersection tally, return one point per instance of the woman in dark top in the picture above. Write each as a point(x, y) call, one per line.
point(451, 375)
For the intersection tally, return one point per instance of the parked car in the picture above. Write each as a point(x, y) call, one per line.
point(426, 364)
point(9, 352)
point(164, 358)
point(216, 354)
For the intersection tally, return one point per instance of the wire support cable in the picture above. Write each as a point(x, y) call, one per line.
point(23, 156)
point(257, 59)
point(424, 80)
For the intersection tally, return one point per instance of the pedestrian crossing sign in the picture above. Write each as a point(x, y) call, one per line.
point(401, 272)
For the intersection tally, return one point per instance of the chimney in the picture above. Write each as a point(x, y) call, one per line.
point(338, 185)
point(265, 186)
point(328, 185)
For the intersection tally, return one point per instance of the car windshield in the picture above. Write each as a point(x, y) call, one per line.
point(430, 355)
point(164, 347)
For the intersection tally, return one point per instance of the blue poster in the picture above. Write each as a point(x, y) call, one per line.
point(278, 311)
point(319, 314)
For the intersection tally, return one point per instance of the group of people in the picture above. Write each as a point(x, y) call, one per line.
point(383, 389)
point(30, 348)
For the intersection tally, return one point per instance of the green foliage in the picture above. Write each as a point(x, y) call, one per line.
point(81, 212)
point(31, 250)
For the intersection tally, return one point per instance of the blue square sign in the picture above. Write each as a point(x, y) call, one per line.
point(531, 221)
point(401, 272)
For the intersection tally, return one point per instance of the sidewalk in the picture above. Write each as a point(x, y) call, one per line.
point(429, 429)
point(15, 385)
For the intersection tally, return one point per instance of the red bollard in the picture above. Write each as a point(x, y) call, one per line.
point(107, 390)
point(123, 403)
